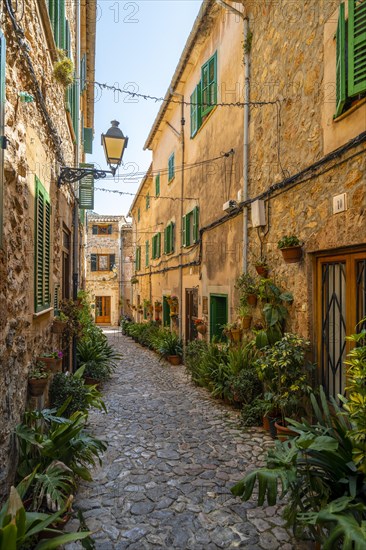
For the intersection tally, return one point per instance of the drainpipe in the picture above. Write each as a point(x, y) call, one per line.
point(121, 274)
point(246, 126)
point(182, 122)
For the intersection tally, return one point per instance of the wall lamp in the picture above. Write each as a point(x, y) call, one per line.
point(114, 144)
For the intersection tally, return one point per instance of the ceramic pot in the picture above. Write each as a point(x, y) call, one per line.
point(252, 299)
point(58, 327)
point(262, 271)
point(292, 254)
point(283, 432)
point(53, 365)
point(174, 359)
point(246, 322)
point(37, 386)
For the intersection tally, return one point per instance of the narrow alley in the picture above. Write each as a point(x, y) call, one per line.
point(173, 455)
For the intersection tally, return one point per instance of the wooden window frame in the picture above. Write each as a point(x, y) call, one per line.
point(171, 167)
point(156, 246)
point(98, 269)
point(157, 185)
point(211, 85)
point(190, 228)
point(42, 249)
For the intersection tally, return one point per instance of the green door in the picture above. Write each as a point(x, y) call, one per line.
point(218, 314)
point(166, 313)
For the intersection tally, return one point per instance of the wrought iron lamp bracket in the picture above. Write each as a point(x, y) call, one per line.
point(72, 175)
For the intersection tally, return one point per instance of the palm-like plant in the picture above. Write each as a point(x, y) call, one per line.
point(98, 357)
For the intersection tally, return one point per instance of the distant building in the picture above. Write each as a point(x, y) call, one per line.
point(109, 258)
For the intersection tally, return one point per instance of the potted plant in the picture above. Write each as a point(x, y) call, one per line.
point(158, 306)
point(248, 289)
point(291, 248)
point(173, 304)
point(38, 376)
point(233, 331)
point(52, 360)
point(59, 323)
point(134, 280)
point(284, 370)
point(63, 69)
point(170, 347)
point(244, 313)
point(261, 267)
point(201, 326)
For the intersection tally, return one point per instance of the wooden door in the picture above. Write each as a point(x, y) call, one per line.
point(191, 313)
point(218, 315)
point(340, 306)
point(166, 313)
point(103, 310)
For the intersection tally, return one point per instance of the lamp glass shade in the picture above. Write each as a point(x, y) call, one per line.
point(114, 144)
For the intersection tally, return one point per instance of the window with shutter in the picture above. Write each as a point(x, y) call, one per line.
point(190, 228)
point(196, 118)
point(156, 243)
point(86, 189)
point(112, 261)
point(169, 239)
point(147, 201)
point(42, 248)
point(171, 168)
point(93, 262)
point(138, 258)
point(157, 185)
point(147, 252)
point(196, 224)
point(184, 231)
point(88, 140)
point(83, 74)
point(209, 85)
point(171, 236)
point(2, 127)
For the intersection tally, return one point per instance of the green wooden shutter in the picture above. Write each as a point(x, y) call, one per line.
point(218, 315)
point(157, 185)
point(341, 93)
point(83, 73)
point(42, 295)
point(166, 312)
point(138, 258)
point(88, 140)
point(62, 27)
point(196, 118)
point(159, 245)
point(356, 47)
point(196, 224)
point(95, 230)
point(139, 262)
point(171, 167)
point(56, 299)
point(47, 255)
point(93, 262)
point(166, 240)
point(153, 255)
point(86, 190)
point(171, 237)
point(68, 39)
point(2, 127)
point(184, 231)
point(209, 85)
point(56, 22)
point(147, 251)
point(51, 11)
point(112, 261)
point(147, 198)
point(138, 214)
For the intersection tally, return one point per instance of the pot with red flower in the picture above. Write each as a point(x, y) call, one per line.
point(52, 360)
point(261, 267)
point(201, 326)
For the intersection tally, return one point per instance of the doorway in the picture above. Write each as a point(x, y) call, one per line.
point(218, 315)
point(340, 306)
point(191, 313)
point(166, 312)
point(103, 310)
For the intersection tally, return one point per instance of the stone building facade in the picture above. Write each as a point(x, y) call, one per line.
point(40, 132)
point(306, 166)
point(109, 259)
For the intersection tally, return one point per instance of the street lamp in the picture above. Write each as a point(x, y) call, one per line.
point(114, 144)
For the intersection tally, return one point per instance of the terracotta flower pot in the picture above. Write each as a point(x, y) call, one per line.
point(235, 334)
point(58, 327)
point(158, 308)
point(266, 422)
point(174, 359)
point(37, 386)
point(246, 322)
point(53, 365)
point(292, 254)
point(262, 270)
point(283, 432)
point(252, 299)
point(92, 381)
point(202, 329)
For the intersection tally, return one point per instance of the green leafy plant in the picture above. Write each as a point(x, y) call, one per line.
point(288, 241)
point(97, 356)
point(170, 344)
point(274, 312)
point(38, 371)
point(70, 392)
point(261, 262)
point(63, 69)
point(246, 284)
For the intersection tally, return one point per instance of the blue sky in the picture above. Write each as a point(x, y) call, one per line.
point(138, 47)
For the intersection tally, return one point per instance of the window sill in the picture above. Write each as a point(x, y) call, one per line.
point(350, 110)
point(43, 312)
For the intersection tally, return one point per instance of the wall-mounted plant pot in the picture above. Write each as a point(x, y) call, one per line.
point(37, 386)
point(252, 299)
point(53, 365)
point(235, 334)
point(262, 271)
point(283, 432)
point(246, 322)
point(58, 327)
point(92, 381)
point(265, 420)
point(158, 308)
point(292, 254)
point(202, 329)
point(174, 359)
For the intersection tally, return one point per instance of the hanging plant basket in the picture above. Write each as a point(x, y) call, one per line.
point(201, 328)
point(58, 327)
point(252, 299)
point(246, 322)
point(262, 271)
point(292, 254)
point(53, 365)
point(37, 386)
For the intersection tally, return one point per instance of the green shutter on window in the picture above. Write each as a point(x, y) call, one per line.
point(157, 185)
point(86, 189)
point(42, 295)
point(196, 118)
point(341, 93)
point(158, 245)
point(356, 47)
point(166, 240)
point(2, 126)
point(171, 238)
point(68, 39)
point(171, 167)
point(88, 140)
point(196, 225)
point(153, 255)
point(184, 231)
point(112, 261)
point(56, 22)
point(83, 73)
point(209, 85)
point(62, 27)
point(93, 262)
point(138, 258)
point(147, 198)
point(147, 252)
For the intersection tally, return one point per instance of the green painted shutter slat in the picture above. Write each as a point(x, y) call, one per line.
point(195, 224)
point(356, 47)
point(184, 231)
point(166, 240)
point(88, 140)
point(147, 247)
point(62, 24)
point(95, 230)
point(47, 255)
point(171, 167)
point(51, 12)
point(112, 261)
point(157, 185)
point(196, 117)
point(86, 189)
point(139, 263)
point(218, 311)
point(68, 39)
point(341, 93)
point(42, 267)
point(159, 245)
point(2, 127)
point(83, 73)
point(153, 252)
point(171, 237)
point(209, 85)
point(56, 22)
point(93, 262)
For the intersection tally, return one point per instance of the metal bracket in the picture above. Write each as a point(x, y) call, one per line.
point(72, 175)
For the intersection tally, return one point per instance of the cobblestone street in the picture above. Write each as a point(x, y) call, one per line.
point(173, 455)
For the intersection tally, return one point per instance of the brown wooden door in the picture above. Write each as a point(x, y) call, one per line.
point(103, 310)
point(191, 313)
point(340, 306)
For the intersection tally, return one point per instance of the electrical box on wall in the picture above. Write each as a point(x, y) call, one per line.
point(339, 203)
point(258, 214)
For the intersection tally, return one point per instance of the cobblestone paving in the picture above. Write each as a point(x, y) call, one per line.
point(173, 455)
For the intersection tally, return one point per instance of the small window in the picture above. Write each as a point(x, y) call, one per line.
point(147, 252)
point(138, 214)
point(157, 185)
point(156, 245)
point(171, 167)
point(42, 242)
point(196, 108)
point(102, 229)
point(148, 201)
point(138, 258)
point(102, 262)
point(190, 233)
point(169, 239)
point(209, 85)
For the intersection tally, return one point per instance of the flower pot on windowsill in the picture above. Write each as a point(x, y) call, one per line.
point(252, 299)
point(37, 386)
point(58, 327)
point(292, 254)
point(53, 364)
point(174, 359)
